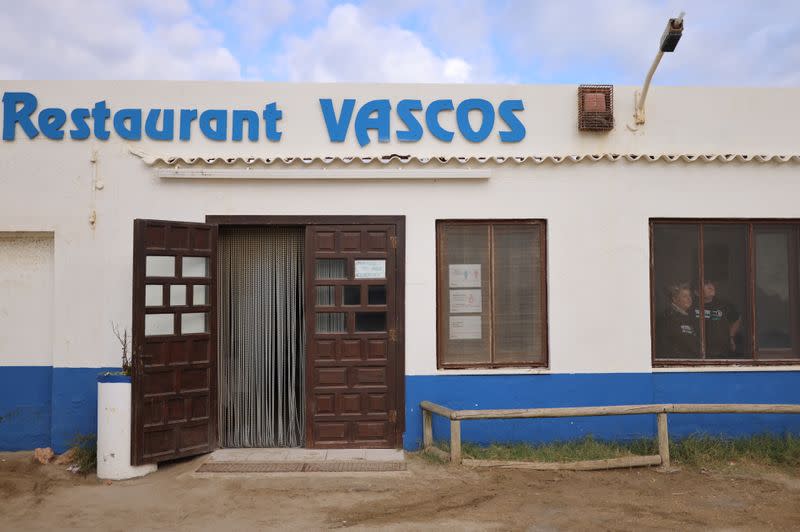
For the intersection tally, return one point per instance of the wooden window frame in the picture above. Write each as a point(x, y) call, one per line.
point(441, 281)
point(750, 310)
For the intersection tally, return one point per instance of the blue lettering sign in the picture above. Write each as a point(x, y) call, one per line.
point(365, 121)
point(20, 111)
point(337, 129)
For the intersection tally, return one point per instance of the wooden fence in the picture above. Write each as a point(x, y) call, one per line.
point(660, 410)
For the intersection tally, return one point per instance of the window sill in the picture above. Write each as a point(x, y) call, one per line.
point(689, 368)
point(504, 370)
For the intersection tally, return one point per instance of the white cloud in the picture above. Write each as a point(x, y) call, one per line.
point(97, 39)
point(724, 43)
point(352, 46)
point(257, 19)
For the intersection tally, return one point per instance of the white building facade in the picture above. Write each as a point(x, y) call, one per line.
point(519, 262)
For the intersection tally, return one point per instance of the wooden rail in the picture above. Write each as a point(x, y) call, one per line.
point(660, 410)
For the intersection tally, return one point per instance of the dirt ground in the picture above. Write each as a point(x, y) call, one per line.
point(427, 496)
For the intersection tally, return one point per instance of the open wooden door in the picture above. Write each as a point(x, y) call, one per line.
point(354, 368)
point(174, 340)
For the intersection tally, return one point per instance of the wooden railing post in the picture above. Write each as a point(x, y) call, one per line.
point(455, 441)
point(427, 429)
point(663, 440)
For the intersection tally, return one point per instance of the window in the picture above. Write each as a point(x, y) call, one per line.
point(491, 307)
point(741, 276)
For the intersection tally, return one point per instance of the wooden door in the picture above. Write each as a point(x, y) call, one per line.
point(353, 372)
point(174, 340)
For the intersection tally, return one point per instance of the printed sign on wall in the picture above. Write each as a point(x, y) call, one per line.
point(464, 301)
point(465, 276)
point(370, 269)
point(465, 327)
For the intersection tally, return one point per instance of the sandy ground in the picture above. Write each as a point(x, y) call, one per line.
point(427, 496)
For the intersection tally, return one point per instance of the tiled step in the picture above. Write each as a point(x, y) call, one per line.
point(329, 466)
point(306, 455)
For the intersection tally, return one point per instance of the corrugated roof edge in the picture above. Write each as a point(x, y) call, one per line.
point(406, 159)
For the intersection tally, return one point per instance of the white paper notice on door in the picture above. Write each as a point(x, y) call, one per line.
point(465, 276)
point(465, 327)
point(370, 269)
point(465, 301)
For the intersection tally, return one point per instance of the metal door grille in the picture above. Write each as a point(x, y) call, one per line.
point(261, 337)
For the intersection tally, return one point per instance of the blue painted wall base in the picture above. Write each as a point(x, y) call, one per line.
point(45, 406)
point(532, 391)
point(42, 406)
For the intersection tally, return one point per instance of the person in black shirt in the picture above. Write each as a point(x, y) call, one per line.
point(677, 330)
point(722, 322)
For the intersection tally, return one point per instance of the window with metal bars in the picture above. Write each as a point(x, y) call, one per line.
point(725, 291)
point(491, 302)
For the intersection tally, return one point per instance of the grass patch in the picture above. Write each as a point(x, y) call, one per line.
point(695, 451)
point(433, 458)
point(587, 448)
point(85, 452)
point(765, 449)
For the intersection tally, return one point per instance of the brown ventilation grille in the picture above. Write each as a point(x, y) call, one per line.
point(596, 107)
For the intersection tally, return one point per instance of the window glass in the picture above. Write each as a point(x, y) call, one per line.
point(159, 324)
point(773, 311)
point(153, 295)
point(491, 294)
point(376, 294)
point(675, 277)
point(517, 315)
point(330, 269)
point(465, 294)
point(370, 321)
point(194, 322)
point(195, 266)
point(156, 266)
point(724, 291)
point(177, 295)
point(331, 322)
point(326, 296)
point(352, 294)
point(200, 294)
point(743, 288)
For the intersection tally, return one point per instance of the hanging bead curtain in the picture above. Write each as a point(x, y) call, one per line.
point(261, 337)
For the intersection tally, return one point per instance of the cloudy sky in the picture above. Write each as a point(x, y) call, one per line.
point(726, 42)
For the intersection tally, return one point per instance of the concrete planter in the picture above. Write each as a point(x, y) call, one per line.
point(114, 430)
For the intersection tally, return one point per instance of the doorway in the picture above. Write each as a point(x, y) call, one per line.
point(326, 359)
point(261, 338)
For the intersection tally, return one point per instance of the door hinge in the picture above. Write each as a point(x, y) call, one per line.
point(392, 416)
point(393, 241)
point(392, 335)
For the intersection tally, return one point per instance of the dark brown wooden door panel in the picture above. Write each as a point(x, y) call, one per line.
point(174, 340)
point(352, 333)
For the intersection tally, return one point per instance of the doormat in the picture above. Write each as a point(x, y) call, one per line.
point(301, 467)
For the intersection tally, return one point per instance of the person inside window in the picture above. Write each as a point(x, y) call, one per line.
point(678, 331)
point(722, 322)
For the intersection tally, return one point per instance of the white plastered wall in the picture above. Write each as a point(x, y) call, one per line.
point(26, 299)
point(597, 213)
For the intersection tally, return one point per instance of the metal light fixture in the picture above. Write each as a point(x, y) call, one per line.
point(669, 40)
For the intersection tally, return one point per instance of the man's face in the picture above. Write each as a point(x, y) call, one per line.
point(709, 290)
point(683, 300)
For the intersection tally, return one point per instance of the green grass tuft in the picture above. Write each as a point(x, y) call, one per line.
point(699, 450)
point(85, 449)
point(765, 449)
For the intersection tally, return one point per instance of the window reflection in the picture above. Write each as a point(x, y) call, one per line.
point(724, 291)
point(675, 274)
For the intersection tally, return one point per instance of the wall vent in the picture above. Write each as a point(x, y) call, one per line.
point(596, 107)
